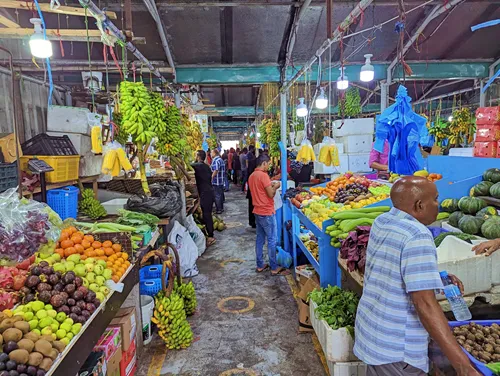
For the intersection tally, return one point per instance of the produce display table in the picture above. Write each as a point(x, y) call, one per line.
point(75, 354)
point(79, 182)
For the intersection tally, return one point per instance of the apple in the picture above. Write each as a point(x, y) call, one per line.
point(70, 265)
point(52, 313)
point(101, 262)
point(28, 316)
point(54, 326)
point(75, 329)
point(74, 258)
point(56, 257)
point(85, 282)
point(91, 277)
point(65, 340)
point(41, 314)
point(69, 335)
point(90, 260)
point(60, 317)
point(100, 280)
point(104, 290)
point(59, 267)
point(43, 323)
point(37, 305)
point(66, 326)
point(48, 307)
point(99, 295)
point(37, 331)
point(69, 321)
point(46, 331)
point(98, 269)
point(108, 273)
point(33, 324)
point(89, 267)
point(94, 287)
point(80, 270)
point(61, 333)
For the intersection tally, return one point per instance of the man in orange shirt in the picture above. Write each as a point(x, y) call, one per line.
point(263, 191)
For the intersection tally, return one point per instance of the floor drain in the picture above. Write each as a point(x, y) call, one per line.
point(235, 304)
point(238, 372)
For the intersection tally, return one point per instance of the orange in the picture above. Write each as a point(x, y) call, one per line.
point(96, 245)
point(112, 258)
point(124, 256)
point(86, 244)
point(109, 251)
point(79, 248)
point(89, 238)
point(127, 264)
point(64, 235)
point(122, 270)
point(117, 247)
point(99, 252)
point(60, 251)
point(80, 233)
point(67, 243)
point(118, 261)
point(72, 230)
point(107, 244)
point(109, 264)
point(69, 251)
point(115, 279)
point(83, 257)
point(92, 254)
point(76, 239)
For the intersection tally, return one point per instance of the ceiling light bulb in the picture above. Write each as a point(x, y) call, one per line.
point(342, 81)
point(258, 134)
point(302, 108)
point(39, 46)
point(367, 73)
point(321, 100)
point(245, 134)
point(450, 119)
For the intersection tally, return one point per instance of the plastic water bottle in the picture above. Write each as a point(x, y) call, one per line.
point(454, 296)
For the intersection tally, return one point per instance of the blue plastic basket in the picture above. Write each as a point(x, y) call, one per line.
point(150, 272)
point(150, 279)
point(481, 367)
point(64, 201)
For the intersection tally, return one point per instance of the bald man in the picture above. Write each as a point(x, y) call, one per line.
point(398, 310)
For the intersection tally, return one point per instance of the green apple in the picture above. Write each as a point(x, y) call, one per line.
point(101, 262)
point(37, 331)
point(66, 326)
point(50, 260)
point(47, 321)
point(69, 321)
point(37, 305)
point(94, 287)
point(74, 258)
point(70, 265)
point(104, 290)
point(56, 257)
point(85, 282)
point(54, 326)
point(41, 314)
point(80, 270)
point(90, 277)
point(100, 280)
point(28, 316)
point(99, 295)
point(69, 335)
point(61, 333)
point(65, 341)
point(33, 324)
point(52, 313)
point(89, 267)
point(108, 273)
point(90, 260)
point(46, 331)
point(75, 329)
point(98, 269)
point(48, 307)
point(59, 267)
point(61, 316)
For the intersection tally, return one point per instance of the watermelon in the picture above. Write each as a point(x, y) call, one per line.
point(492, 174)
point(449, 205)
point(471, 205)
point(455, 217)
point(495, 190)
point(482, 189)
point(491, 228)
point(470, 225)
point(487, 212)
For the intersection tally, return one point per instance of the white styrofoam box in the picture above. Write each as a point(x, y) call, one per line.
point(495, 262)
point(358, 162)
point(81, 142)
point(347, 368)
point(353, 126)
point(475, 271)
point(359, 143)
point(90, 165)
point(114, 205)
point(337, 344)
point(461, 152)
point(68, 120)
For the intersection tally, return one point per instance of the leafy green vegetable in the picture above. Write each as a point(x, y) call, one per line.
point(439, 239)
point(136, 219)
point(336, 306)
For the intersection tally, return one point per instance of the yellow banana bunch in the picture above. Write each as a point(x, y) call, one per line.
point(306, 154)
point(194, 135)
point(137, 115)
point(114, 161)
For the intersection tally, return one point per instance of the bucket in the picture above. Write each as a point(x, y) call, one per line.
point(147, 308)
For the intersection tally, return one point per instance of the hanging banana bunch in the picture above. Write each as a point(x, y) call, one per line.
point(274, 137)
point(158, 123)
point(194, 135)
point(136, 112)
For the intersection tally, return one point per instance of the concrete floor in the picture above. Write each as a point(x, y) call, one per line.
point(262, 341)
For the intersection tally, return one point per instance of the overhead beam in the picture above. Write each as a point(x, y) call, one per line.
point(8, 23)
point(226, 34)
point(70, 11)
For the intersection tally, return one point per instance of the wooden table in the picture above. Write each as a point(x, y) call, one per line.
point(79, 182)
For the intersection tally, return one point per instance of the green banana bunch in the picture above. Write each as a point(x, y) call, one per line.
point(274, 137)
point(91, 207)
point(173, 140)
point(263, 132)
point(350, 105)
point(158, 123)
point(121, 136)
point(194, 135)
point(170, 317)
point(187, 292)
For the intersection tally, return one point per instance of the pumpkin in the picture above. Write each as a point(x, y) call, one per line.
point(487, 212)
point(455, 217)
point(492, 174)
point(449, 205)
point(482, 189)
point(470, 225)
point(495, 190)
point(491, 228)
point(471, 205)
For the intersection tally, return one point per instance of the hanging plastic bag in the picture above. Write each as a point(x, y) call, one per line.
point(115, 160)
point(196, 235)
point(188, 252)
point(299, 137)
point(306, 152)
point(329, 153)
point(96, 138)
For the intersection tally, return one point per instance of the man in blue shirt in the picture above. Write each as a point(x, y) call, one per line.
point(218, 179)
point(398, 310)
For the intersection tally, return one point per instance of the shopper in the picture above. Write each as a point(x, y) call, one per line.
point(236, 167)
point(209, 157)
point(244, 168)
point(230, 159)
point(203, 176)
point(487, 247)
point(250, 162)
point(263, 191)
point(380, 161)
point(398, 310)
point(218, 179)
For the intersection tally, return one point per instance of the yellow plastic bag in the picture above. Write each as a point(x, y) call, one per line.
point(306, 152)
point(96, 138)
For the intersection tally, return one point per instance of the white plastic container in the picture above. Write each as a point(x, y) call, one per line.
point(337, 344)
point(353, 126)
point(114, 205)
point(461, 152)
point(347, 369)
point(81, 142)
point(68, 120)
point(361, 143)
point(147, 308)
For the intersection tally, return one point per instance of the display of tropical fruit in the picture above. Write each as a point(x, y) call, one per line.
point(90, 206)
point(187, 292)
point(471, 205)
point(492, 175)
point(470, 224)
point(219, 224)
point(170, 317)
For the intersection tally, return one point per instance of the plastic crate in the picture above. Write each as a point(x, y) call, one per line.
point(481, 367)
point(151, 286)
point(43, 144)
point(66, 168)
point(150, 272)
point(64, 201)
point(8, 176)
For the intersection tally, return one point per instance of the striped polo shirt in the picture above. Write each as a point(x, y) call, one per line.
point(400, 258)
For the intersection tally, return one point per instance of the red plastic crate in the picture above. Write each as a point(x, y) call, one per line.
point(487, 133)
point(485, 149)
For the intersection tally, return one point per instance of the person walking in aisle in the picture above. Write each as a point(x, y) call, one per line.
point(236, 167)
point(398, 310)
point(203, 177)
point(218, 179)
point(230, 159)
point(263, 191)
point(244, 168)
point(250, 163)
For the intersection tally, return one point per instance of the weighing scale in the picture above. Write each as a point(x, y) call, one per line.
point(40, 167)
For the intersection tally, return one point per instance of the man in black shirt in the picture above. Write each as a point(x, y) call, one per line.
point(251, 162)
point(203, 176)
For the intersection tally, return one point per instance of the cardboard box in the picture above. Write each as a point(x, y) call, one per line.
point(95, 365)
point(109, 342)
point(128, 364)
point(113, 363)
point(125, 320)
point(306, 286)
point(485, 149)
point(488, 133)
point(305, 324)
point(8, 146)
point(310, 285)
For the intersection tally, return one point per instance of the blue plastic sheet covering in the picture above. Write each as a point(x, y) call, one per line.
point(405, 131)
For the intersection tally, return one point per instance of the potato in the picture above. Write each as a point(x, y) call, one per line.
point(23, 326)
point(475, 353)
point(461, 342)
point(46, 364)
point(53, 354)
point(488, 348)
point(48, 338)
point(471, 337)
point(497, 349)
point(495, 336)
point(461, 337)
point(35, 359)
point(26, 344)
point(12, 334)
point(485, 356)
point(468, 348)
point(477, 347)
point(495, 357)
point(497, 341)
point(60, 346)
point(486, 331)
point(20, 356)
point(43, 346)
point(32, 336)
point(17, 318)
point(6, 324)
point(479, 337)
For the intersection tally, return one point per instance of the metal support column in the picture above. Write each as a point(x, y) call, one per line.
point(482, 96)
point(283, 113)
